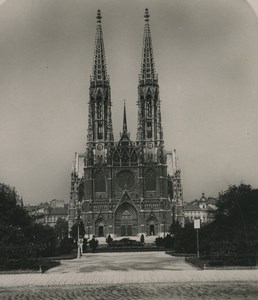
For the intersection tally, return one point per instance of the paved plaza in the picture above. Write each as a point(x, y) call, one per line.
point(144, 275)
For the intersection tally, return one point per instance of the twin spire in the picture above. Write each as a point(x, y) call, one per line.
point(99, 70)
point(100, 121)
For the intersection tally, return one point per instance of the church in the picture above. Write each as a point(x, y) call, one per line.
point(125, 187)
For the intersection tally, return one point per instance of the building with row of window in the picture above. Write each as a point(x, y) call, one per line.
point(203, 209)
point(48, 213)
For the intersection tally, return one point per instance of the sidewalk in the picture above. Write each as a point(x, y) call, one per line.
point(120, 277)
point(121, 268)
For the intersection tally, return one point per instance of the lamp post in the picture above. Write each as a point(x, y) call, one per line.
point(78, 238)
point(88, 229)
point(78, 230)
point(197, 226)
point(164, 222)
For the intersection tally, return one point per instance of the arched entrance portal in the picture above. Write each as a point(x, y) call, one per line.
point(152, 229)
point(100, 228)
point(126, 220)
point(152, 226)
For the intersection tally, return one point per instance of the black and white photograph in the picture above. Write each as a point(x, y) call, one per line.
point(128, 149)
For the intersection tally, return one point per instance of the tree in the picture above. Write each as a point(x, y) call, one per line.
point(74, 230)
point(236, 218)
point(61, 228)
point(11, 213)
point(19, 236)
point(230, 201)
point(42, 239)
point(234, 232)
point(185, 239)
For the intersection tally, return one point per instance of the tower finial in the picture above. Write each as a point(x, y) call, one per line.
point(147, 15)
point(99, 17)
point(124, 121)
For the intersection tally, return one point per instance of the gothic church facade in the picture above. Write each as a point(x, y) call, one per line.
point(125, 187)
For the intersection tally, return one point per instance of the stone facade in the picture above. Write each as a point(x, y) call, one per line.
point(125, 188)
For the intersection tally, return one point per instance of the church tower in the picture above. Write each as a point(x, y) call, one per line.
point(100, 130)
point(99, 121)
point(149, 116)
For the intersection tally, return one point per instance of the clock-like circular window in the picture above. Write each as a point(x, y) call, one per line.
point(125, 179)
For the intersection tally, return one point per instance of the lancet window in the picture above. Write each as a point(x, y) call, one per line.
point(150, 180)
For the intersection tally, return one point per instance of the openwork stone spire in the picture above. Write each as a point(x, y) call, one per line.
point(124, 120)
point(147, 66)
point(149, 115)
point(99, 70)
point(100, 127)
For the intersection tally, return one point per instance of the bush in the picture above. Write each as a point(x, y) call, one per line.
point(28, 264)
point(66, 246)
point(93, 244)
point(109, 239)
point(125, 243)
point(167, 241)
point(159, 242)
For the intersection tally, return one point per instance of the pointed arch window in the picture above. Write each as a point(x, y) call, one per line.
point(100, 131)
point(100, 182)
point(150, 180)
point(116, 159)
point(99, 108)
point(125, 158)
point(149, 106)
point(149, 129)
point(134, 158)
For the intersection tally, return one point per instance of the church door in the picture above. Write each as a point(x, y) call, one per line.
point(101, 231)
point(123, 230)
point(152, 230)
point(126, 223)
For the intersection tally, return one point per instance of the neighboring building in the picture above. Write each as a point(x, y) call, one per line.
point(125, 188)
point(37, 212)
point(203, 209)
point(49, 213)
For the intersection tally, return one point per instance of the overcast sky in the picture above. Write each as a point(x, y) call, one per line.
point(206, 57)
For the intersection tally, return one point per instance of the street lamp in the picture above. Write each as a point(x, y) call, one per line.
point(78, 229)
point(78, 238)
point(197, 226)
point(88, 229)
point(164, 221)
